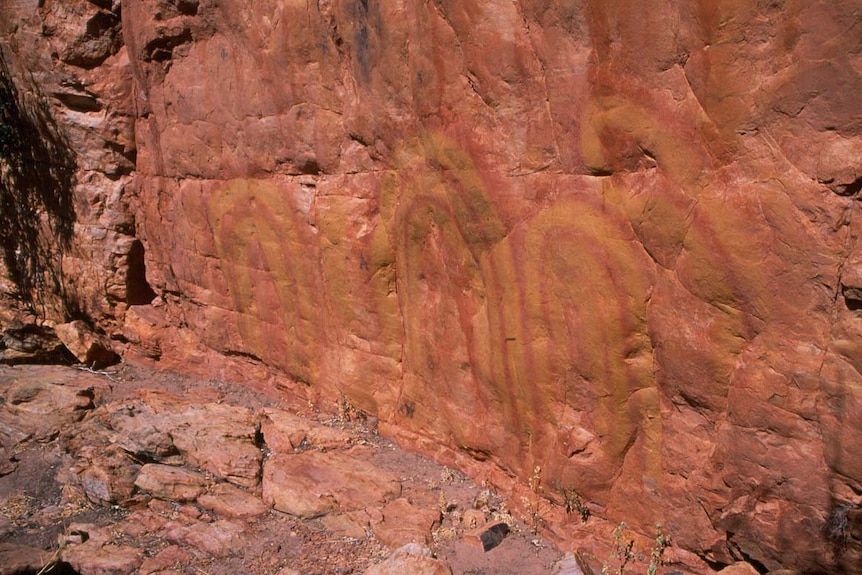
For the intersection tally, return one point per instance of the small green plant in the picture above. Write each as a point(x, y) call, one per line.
point(347, 412)
point(624, 552)
point(533, 501)
point(621, 554)
point(660, 543)
point(573, 503)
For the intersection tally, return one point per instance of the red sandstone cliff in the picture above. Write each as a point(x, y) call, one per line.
point(615, 240)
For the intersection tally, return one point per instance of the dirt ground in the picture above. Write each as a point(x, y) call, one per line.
point(43, 505)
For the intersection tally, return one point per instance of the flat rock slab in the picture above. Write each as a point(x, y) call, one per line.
point(33, 405)
point(93, 558)
point(15, 559)
point(405, 523)
point(283, 432)
point(169, 482)
point(217, 438)
point(139, 430)
point(229, 501)
point(220, 439)
point(164, 559)
point(106, 474)
point(411, 559)
point(343, 525)
point(217, 539)
point(314, 483)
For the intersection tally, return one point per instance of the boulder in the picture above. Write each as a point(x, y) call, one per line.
point(90, 348)
point(106, 473)
point(487, 536)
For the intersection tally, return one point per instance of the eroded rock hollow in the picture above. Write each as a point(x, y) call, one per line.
point(596, 247)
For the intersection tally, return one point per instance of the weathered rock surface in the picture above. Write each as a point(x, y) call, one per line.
point(88, 347)
point(310, 484)
point(285, 432)
point(568, 565)
point(218, 538)
point(173, 483)
point(163, 560)
point(88, 497)
point(219, 439)
point(106, 473)
point(739, 569)
point(38, 402)
point(228, 501)
point(404, 523)
point(615, 241)
point(28, 343)
point(96, 559)
point(411, 559)
point(16, 559)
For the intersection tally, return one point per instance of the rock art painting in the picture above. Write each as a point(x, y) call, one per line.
point(592, 252)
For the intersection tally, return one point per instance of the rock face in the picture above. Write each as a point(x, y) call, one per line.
point(611, 242)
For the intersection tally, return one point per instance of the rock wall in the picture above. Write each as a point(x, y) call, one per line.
point(608, 245)
point(67, 155)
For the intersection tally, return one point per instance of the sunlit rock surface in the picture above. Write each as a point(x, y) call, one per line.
point(612, 240)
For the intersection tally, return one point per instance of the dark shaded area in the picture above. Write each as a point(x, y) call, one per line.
point(362, 41)
point(853, 304)
point(33, 344)
point(186, 7)
point(853, 188)
point(61, 568)
point(737, 553)
point(138, 291)
point(161, 48)
point(79, 102)
point(103, 39)
point(310, 166)
point(493, 536)
point(843, 532)
point(852, 297)
point(36, 211)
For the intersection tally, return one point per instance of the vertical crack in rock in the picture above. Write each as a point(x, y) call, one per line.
point(138, 291)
